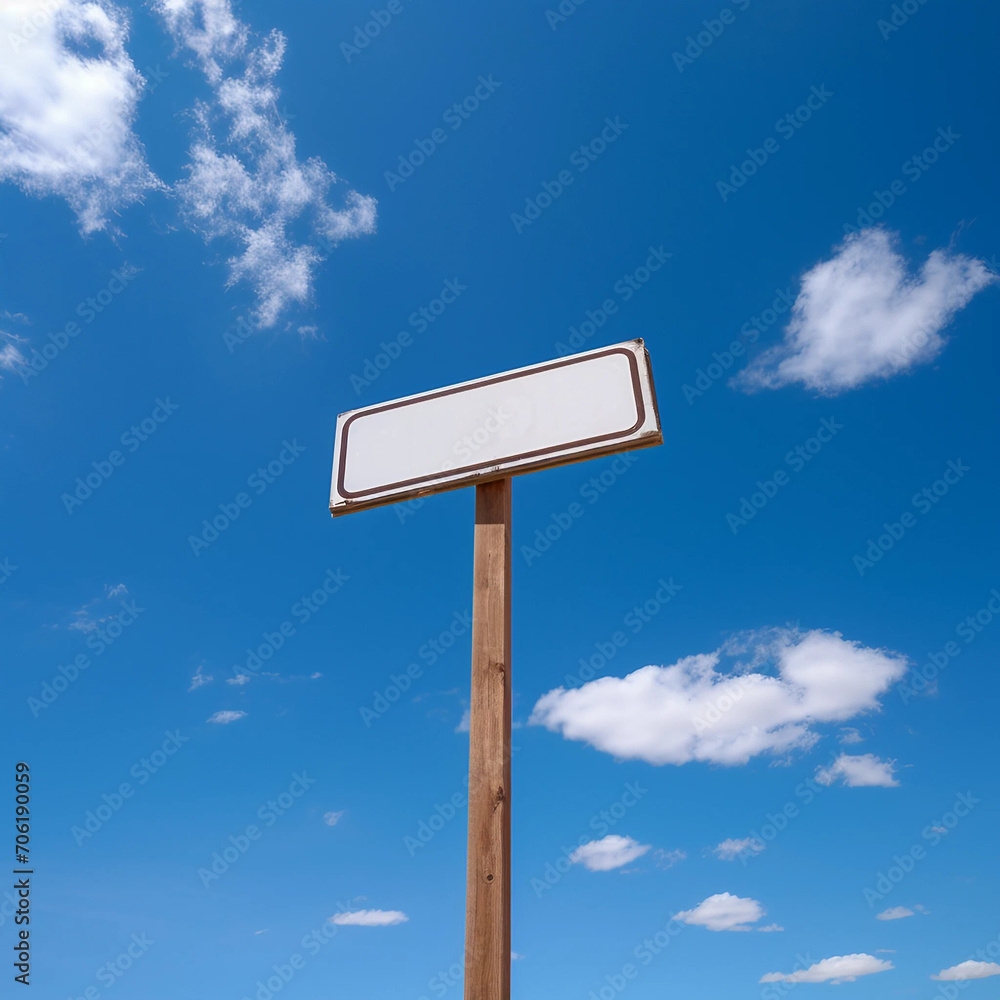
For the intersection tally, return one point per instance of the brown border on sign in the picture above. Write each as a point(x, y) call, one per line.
point(639, 404)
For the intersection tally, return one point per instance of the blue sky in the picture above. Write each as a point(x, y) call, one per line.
point(801, 747)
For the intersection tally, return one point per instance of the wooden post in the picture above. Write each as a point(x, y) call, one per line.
point(487, 913)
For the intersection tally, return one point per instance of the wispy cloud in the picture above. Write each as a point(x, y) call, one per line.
point(693, 710)
point(224, 718)
point(96, 612)
point(738, 847)
point(12, 358)
point(200, 679)
point(863, 771)
point(667, 859)
point(332, 818)
point(209, 28)
point(724, 912)
point(68, 98)
point(245, 182)
point(370, 918)
point(838, 969)
point(894, 913)
point(608, 853)
point(862, 316)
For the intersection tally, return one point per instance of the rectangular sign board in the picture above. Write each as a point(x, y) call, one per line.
point(583, 406)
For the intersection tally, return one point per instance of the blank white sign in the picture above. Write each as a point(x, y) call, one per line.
point(579, 407)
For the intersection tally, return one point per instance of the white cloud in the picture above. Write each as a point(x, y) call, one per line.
point(370, 918)
point(861, 316)
point(863, 771)
point(68, 98)
point(724, 912)
point(332, 818)
point(224, 718)
point(894, 913)
point(839, 969)
point(737, 847)
point(245, 182)
point(239, 680)
point(692, 710)
point(465, 723)
point(610, 852)
point(849, 736)
point(969, 970)
point(516, 956)
point(200, 679)
point(770, 928)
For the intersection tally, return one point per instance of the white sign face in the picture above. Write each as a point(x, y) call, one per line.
point(580, 407)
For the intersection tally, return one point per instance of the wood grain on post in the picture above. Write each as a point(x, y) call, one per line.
point(487, 915)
